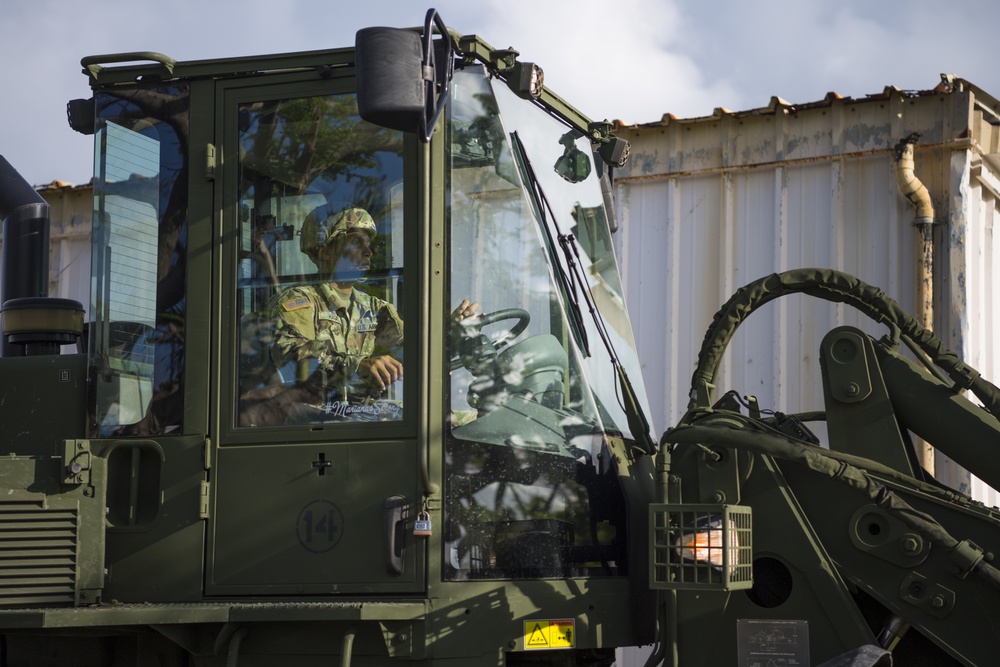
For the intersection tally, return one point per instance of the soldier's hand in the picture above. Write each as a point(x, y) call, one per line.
point(464, 310)
point(383, 369)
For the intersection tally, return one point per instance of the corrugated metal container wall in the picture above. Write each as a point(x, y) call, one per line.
point(707, 205)
point(70, 240)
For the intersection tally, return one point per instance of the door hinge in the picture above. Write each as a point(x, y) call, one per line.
point(203, 501)
point(210, 162)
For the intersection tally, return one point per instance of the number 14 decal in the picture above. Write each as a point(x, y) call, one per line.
point(320, 526)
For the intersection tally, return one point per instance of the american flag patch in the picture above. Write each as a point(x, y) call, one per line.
point(296, 304)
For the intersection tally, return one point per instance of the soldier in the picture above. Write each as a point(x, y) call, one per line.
point(332, 334)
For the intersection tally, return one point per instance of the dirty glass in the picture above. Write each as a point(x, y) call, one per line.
point(531, 395)
point(138, 308)
point(320, 266)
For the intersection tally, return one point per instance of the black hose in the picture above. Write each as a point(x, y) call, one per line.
point(838, 287)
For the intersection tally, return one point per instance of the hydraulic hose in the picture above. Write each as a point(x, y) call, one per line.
point(837, 287)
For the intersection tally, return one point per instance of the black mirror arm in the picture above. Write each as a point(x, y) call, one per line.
point(433, 112)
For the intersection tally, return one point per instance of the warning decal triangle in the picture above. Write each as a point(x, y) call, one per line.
point(537, 636)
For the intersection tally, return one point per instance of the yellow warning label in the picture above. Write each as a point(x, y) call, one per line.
point(549, 633)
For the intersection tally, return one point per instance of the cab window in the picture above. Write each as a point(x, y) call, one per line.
point(139, 263)
point(320, 266)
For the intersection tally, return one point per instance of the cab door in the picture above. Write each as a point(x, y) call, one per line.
point(314, 480)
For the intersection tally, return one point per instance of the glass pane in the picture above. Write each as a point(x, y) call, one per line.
point(136, 333)
point(526, 432)
point(320, 272)
point(583, 260)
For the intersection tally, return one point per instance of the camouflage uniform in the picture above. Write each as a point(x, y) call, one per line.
point(323, 334)
point(321, 329)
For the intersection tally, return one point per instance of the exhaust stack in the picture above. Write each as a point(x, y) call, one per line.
point(31, 322)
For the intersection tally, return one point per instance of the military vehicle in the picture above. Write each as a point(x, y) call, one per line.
point(172, 492)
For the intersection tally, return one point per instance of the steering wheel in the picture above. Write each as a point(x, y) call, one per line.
point(476, 349)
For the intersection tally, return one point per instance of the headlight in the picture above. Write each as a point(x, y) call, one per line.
point(701, 547)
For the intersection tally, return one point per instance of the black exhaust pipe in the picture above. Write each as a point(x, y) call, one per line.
point(25, 243)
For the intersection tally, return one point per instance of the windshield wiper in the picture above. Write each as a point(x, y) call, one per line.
point(638, 423)
point(567, 283)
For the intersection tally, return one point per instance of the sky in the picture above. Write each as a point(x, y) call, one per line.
point(628, 60)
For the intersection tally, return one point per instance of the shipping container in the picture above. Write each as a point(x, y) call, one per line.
point(709, 204)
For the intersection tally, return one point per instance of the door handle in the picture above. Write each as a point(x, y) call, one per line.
point(395, 517)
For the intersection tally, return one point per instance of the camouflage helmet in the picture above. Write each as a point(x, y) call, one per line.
point(321, 227)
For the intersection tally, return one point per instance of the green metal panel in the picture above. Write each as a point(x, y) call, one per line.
point(51, 534)
point(36, 391)
point(160, 557)
point(201, 265)
point(900, 568)
point(305, 510)
point(794, 578)
point(283, 525)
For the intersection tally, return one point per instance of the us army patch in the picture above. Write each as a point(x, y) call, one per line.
point(367, 324)
point(295, 304)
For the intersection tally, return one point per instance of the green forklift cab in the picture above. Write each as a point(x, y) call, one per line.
point(476, 507)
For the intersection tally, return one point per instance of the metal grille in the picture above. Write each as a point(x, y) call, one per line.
point(38, 555)
point(706, 547)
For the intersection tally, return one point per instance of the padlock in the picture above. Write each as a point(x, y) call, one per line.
point(422, 526)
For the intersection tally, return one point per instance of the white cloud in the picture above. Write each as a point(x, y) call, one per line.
point(629, 59)
point(616, 60)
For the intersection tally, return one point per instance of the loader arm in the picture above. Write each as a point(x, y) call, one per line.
point(853, 544)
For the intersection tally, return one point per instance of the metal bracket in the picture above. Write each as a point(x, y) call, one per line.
point(875, 531)
point(861, 418)
point(432, 502)
point(204, 494)
point(965, 557)
point(210, 162)
point(718, 476)
point(76, 462)
point(849, 378)
point(933, 598)
point(600, 132)
point(503, 60)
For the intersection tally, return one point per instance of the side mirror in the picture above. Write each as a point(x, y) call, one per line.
point(397, 78)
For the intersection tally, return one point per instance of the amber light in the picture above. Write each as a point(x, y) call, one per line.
point(697, 546)
point(704, 546)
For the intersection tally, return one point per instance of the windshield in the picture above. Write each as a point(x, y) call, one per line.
point(533, 388)
point(552, 260)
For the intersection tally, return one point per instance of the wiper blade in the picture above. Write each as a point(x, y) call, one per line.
point(637, 421)
point(567, 283)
